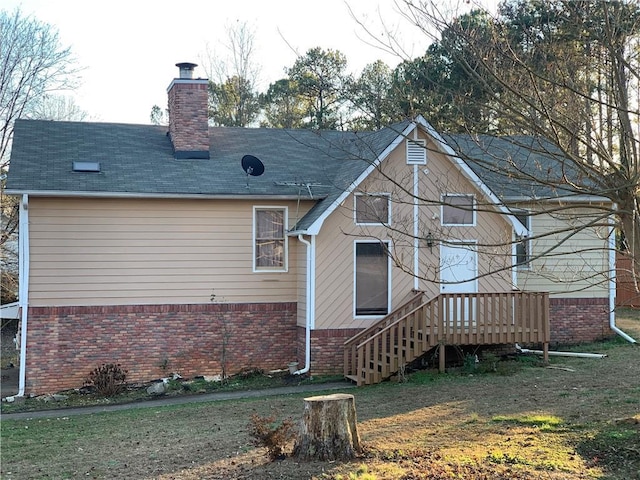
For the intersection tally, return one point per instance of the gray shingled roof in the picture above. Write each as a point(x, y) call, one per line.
point(519, 166)
point(138, 160)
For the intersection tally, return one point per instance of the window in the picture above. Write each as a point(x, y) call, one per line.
point(270, 241)
point(458, 210)
point(372, 208)
point(523, 247)
point(371, 279)
point(416, 152)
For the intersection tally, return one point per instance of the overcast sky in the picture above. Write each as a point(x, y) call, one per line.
point(128, 49)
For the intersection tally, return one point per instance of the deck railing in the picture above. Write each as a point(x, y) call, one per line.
point(417, 326)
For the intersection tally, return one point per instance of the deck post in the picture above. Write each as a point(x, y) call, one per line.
point(545, 352)
point(441, 349)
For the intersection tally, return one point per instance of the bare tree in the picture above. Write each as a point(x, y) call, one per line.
point(57, 107)
point(566, 72)
point(33, 67)
point(233, 78)
point(33, 64)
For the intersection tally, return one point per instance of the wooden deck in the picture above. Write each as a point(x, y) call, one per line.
point(420, 324)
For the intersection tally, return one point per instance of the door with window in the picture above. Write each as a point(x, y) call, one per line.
point(458, 274)
point(372, 285)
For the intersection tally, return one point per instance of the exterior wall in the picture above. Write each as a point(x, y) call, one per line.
point(152, 341)
point(335, 243)
point(577, 265)
point(579, 320)
point(144, 252)
point(327, 349)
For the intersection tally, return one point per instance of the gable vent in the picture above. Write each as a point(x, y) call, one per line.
point(93, 167)
point(416, 152)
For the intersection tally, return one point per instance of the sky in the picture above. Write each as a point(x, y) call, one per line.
point(127, 50)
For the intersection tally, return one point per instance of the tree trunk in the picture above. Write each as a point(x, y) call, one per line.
point(329, 430)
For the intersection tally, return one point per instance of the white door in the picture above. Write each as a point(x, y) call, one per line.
point(458, 274)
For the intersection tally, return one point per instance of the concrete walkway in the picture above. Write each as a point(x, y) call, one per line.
point(180, 400)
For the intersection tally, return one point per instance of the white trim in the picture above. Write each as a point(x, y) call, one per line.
point(389, 279)
point(474, 203)
point(314, 228)
point(168, 196)
point(372, 194)
point(285, 268)
point(192, 81)
point(23, 289)
point(565, 199)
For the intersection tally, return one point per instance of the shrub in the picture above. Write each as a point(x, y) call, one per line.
point(267, 433)
point(108, 379)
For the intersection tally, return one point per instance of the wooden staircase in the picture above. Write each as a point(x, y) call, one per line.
point(420, 324)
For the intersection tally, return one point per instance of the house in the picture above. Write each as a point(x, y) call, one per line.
point(192, 248)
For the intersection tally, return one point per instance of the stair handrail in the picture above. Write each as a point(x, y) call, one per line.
point(386, 318)
point(396, 322)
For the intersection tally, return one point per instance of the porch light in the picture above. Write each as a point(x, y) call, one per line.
point(429, 240)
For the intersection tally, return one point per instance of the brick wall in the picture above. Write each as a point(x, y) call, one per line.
point(327, 349)
point(573, 320)
point(151, 341)
point(188, 121)
point(578, 320)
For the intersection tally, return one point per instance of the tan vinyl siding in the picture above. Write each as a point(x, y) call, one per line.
point(335, 244)
point(577, 262)
point(128, 251)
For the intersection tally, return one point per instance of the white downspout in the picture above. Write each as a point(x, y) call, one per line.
point(23, 289)
point(416, 230)
point(612, 286)
point(311, 296)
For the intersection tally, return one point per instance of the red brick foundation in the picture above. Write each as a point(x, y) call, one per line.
point(573, 320)
point(65, 343)
point(327, 349)
point(578, 320)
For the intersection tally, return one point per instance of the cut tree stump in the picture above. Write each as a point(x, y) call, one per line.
point(329, 429)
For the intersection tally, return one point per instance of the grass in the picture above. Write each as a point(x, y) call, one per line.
point(523, 422)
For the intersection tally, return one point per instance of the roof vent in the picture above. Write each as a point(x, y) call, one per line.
point(92, 167)
point(186, 69)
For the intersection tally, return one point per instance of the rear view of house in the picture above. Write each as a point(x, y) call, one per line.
point(192, 248)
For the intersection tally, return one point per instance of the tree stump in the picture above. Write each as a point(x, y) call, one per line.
point(328, 430)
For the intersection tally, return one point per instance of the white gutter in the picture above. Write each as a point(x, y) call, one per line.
point(612, 286)
point(186, 196)
point(23, 289)
point(561, 354)
point(310, 303)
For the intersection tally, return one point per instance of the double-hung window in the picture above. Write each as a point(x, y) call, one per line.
point(269, 239)
point(372, 208)
point(458, 209)
point(523, 247)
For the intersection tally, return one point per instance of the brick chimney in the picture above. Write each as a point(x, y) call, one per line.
point(188, 120)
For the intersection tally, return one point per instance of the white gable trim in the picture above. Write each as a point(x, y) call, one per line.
point(471, 175)
point(315, 227)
